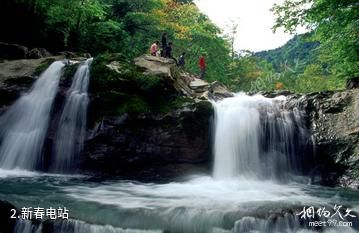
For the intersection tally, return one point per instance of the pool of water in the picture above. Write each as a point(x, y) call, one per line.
point(199, 204)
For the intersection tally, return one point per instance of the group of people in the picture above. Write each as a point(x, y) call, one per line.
point(166, 51)
point(166, 48)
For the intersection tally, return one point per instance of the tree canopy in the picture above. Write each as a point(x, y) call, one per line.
point(120, 26)
point(319, 60)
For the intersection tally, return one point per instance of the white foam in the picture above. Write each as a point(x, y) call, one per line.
point(18, 172)
point(202, 192)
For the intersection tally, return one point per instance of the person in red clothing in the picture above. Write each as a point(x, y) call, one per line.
point(202, 66)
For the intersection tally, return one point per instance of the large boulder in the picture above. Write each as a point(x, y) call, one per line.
point(37, 53)
point(185, 83)
point(199, 85)
point(333, 118)
point(12, 51)
point(149, 146)
point(155, 65)
point(166, 68)
point(145, 121)
point(217, 91)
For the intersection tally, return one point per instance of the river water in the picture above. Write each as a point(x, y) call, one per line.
point(200, 204)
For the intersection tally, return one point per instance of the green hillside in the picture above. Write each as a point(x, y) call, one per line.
point(295, 54)
point(297, 66)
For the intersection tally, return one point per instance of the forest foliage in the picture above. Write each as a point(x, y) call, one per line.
point(319, 60)
point(297, 66)
point(116, 26)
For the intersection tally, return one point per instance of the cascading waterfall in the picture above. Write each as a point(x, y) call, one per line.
point(24, 126)
point(72, 125)
point(256, 137)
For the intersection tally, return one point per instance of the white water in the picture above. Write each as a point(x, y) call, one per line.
point(203, 204)
point(199, 205)
point(24, 126)
point(255, 137)
point(198, 193)
point(4, 173)
point(70, 136)
point(23, 226)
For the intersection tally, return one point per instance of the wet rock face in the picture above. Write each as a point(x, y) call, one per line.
point(17, 76)
point(333, 118)
point(167, 145)
point(165, 133)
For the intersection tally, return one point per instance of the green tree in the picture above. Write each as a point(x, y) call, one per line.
point(335, 24)
point(69, 17)
point(118, 26)
point(250, 73)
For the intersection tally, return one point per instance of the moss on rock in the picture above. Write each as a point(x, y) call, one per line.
point(120, 87)
point(43, 66)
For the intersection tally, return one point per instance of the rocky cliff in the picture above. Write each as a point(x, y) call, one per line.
point(149, 120)
point(333, 118)
point(17, 76)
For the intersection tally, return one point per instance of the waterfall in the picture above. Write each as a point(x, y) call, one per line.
point(26, 226)
point(24, 126)
point(256, 137)
point(72, 125)
point(73, 226)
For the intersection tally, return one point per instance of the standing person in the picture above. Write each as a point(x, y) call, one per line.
point(154, 48)
point(168, 50)
point(202, 66)
point(164, 44)
point(181, 60)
